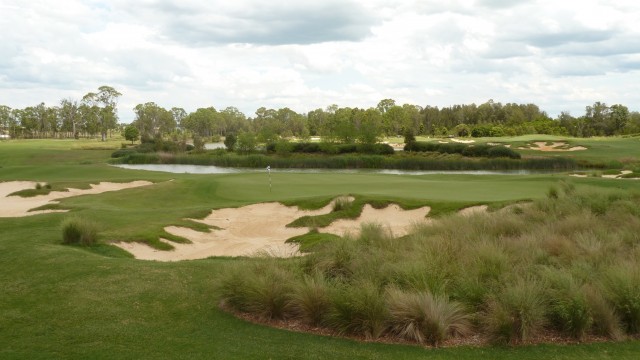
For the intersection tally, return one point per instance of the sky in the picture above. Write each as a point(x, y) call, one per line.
point(305, 54)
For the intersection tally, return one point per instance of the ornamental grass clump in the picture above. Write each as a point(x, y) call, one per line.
point(424, 317)
point(310, 299)
point(79, 231)
point(263, 289)
point(517, 313)
point(358, 309)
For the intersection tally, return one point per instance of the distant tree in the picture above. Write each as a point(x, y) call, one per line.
point(230, 141)
point(246, 142)
point(131, 133)
point(106, 100)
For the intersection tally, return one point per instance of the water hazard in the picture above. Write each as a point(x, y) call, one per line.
point(202, 169)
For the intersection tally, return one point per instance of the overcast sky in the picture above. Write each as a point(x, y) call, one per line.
point(560, 55)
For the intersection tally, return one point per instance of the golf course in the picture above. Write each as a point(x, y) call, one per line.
point(98, 301)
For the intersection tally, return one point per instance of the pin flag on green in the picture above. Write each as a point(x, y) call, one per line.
point(269, 171)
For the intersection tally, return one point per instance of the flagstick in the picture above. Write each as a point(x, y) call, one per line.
point(269, 171)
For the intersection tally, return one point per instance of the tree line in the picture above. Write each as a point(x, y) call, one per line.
point(96, 115)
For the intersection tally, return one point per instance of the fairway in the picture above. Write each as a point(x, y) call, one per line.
point(61, 301)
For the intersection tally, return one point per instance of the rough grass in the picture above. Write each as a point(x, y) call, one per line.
point(563, 263)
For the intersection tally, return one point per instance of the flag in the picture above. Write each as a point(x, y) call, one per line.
point(269, 168)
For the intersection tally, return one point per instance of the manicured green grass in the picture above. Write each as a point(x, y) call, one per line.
point(59, 301)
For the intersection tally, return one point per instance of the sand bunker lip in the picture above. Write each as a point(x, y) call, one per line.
point(262, 228)
point(555, 146)
point(16, 206)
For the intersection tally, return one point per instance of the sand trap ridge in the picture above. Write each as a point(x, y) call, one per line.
point(17, 206)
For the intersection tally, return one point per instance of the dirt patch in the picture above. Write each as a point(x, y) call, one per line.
point(16, 206)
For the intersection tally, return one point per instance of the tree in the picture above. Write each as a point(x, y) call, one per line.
point(106, 100)
point(131, 133)
point(152, 120)
point(69, 113)
point(230, 141)
point(246, 142)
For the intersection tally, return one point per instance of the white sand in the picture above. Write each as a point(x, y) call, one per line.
point(463, 141)
point(473, 210)
point(245, 231)
point(17, 206)
point(261, 228)
point(617, 176)
point(542, 146)
point(393, 217)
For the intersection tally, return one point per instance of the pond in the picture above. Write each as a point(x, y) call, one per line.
point(201, 169)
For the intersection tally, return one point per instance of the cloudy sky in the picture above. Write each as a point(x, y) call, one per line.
point(305, 54)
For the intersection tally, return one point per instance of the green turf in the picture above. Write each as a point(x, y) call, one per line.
point(61, 301)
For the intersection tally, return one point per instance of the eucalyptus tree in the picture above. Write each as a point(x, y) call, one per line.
point(178, 115)
point(69, 114)
point(153, 120)
point(6, 119)
point(106, 102)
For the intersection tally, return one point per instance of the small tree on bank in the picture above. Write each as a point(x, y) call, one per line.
point(131, 133)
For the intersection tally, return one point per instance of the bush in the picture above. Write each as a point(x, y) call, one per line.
point(423, 317)
point(78, 231)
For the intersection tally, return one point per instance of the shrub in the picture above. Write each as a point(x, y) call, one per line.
point(423, 317)
point(78, 231)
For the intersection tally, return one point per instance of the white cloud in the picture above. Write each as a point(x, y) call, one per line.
point(310, 54)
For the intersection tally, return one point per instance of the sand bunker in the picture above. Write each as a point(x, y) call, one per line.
point(473, 210)
point(556, 146)
point(463, 141)
point(17, 206)
point(245, 231)
point(261, 228)
point(617, 176)
point(393, 217)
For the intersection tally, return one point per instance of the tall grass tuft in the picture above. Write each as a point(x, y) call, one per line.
point(516, 314)
point(622, 284)
point(358, 309)
point(424, 317)
point(605, 320)
point(342, 203)
point(262, 289)
point(79, 231)
point(310, 299)
point(569, 310)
